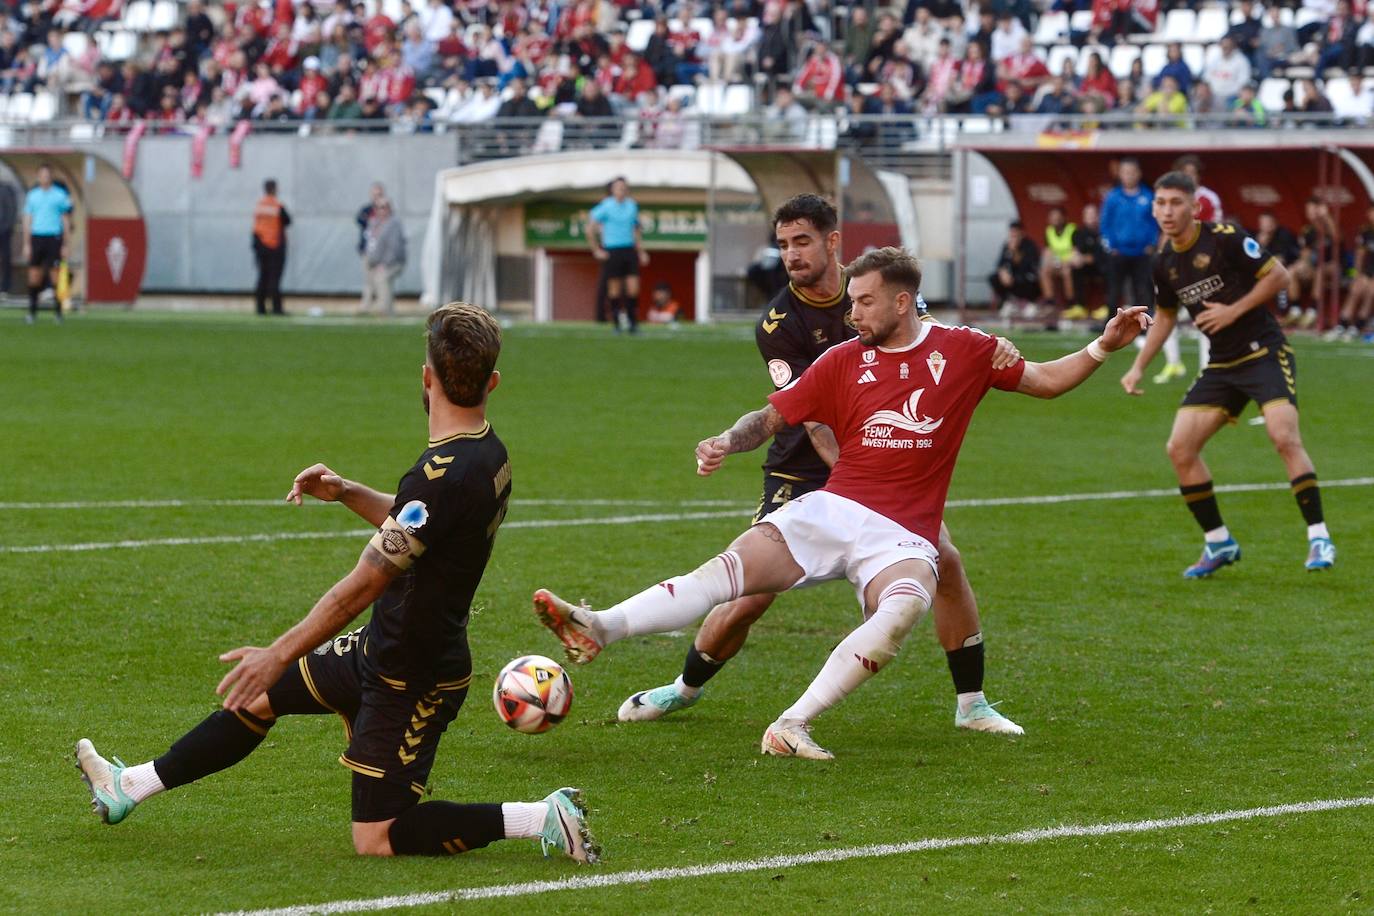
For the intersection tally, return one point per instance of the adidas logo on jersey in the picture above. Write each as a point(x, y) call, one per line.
point(867, 377)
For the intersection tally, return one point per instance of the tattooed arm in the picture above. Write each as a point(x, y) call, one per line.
point(749, 432)
point(824, 442)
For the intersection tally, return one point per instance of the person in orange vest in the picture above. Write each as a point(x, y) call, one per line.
point(270, 220)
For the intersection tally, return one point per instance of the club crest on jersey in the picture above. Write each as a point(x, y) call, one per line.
point(1201, 260)
point(936, 363)
point(904, 371)
point(413, 516)
point(779, 371)
point(870, 357)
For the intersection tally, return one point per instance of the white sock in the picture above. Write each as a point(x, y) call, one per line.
point(1171, 353)
point(673, 604)
point(1217, 535)
point(966, 700)
point(1318, 531)
point(685, 690)
point(141, 782)
point(863, 652)
point(524, 819)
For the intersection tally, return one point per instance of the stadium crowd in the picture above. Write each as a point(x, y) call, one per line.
point(411, 65)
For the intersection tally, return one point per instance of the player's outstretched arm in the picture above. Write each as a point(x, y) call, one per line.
point(325, 485)
point(749, 432)
point(258, 668)
point(824, 442)
point(1050, 380)
point(1165, 319)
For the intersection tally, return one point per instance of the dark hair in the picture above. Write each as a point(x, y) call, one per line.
point(611, 184)
point(1014, 224)
point(1184, 161)
point(1128, 160)
point(897, 266)
point(464, 342)
point(1176, 181)
point(813, 208)
point(269, 186)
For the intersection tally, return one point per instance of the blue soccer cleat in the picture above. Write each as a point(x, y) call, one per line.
point(1321, 554)
point(1214, 557)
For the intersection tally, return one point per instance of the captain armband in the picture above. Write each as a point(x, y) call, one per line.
point(400, 547)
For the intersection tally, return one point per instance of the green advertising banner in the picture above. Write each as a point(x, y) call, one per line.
point(550, 224)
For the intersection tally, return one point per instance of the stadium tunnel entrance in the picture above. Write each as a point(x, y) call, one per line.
point(1275, 174)
point(512, 233)
point(108, 264)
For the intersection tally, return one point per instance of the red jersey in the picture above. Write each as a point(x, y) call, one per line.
point(899, 417)
point(1208, 205)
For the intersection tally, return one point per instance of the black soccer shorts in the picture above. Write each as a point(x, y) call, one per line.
point(1266, 377)
point(393, 728)
point(780, 489)
point(619, 263)
point(45, 251)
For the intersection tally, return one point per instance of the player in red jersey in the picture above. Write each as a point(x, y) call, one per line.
point(899, 398)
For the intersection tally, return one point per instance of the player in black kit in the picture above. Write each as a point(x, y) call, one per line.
point(400, 679)
point(803, 321)
point(1226, 280)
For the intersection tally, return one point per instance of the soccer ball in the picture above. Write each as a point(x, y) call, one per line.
point(532, 694)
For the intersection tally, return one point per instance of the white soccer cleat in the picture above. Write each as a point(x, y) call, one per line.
point(570, 624)
point(648, 705)
point(792, 740)
point(982, 717)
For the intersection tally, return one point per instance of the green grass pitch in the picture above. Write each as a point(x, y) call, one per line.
point(1143, 695)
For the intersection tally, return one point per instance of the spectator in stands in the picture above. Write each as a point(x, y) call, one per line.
point(1015, 282)
point(1357, 105)
point(922, 39)
point(1024, 67)
point(776, 45)
point(820, 82)
point(140, 89)
point(384, 257)
point(664, 309)
point(1175, 66)
point(345, 106)
point(1226, 70)
point(1006, 37)
point(1055, 98)
point(1277, 45)
point(1247, 110)
point(858, 39)
point(1247, 32)
point(976, 86)
point(1098, 80)
point(670, 126)
point(1056, 279)
point(1129, 234)
point(591, 103)
point(96, 101)
point(436, 20)
point(941, 81)
point(1168, 99)
point(1085, 264)
point(483, 105)
point(785, 119)
point(1314, 101)
point(200, 30)
point(55, 66)
point(1364, 39)
point(1203, 102)
point(732, 59)
point(1317, 268)
point(417, 52)
point(1140, 83)
point(1339, 48)
point(659, 54)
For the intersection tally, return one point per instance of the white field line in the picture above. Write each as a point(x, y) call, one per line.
point(820, 856)
point(356, 533)
point(632, 519)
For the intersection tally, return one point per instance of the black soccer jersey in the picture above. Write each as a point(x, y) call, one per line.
point(792, 333)
point(1220, 264)
point(440, 533)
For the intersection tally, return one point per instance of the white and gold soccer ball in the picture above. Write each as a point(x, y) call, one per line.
point(532, 694)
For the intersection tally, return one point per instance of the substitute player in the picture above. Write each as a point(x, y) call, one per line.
point(899, 398)
point(400, 679)
point(805, 319)
point(1226, 280)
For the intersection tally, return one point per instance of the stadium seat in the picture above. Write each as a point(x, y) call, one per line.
point(1195, 56)
point(137, 15)
point(704, 27)
point(549, 139)
point(629, 134)
point(821, 132)
point(21, 103)
point(687, 94)
point(1211, 25)
point(738, 99)
point(1081, 21)
point(710, 98)
point(164, 16)
point(4, 107)
point(118, 45)
point(1179, 25)
point(1059, 54)
point(1286, 15)
point(1339, 93)
point(1052, 28)
point(1122, 57)
point(1271, 93)
point(976, 125)
point(44, 107)
point(85, 130)
point(392, 9)
point(637, 38)
point(436, 94)
point(1305, 16)
point(76, 43)
point(1153, 58)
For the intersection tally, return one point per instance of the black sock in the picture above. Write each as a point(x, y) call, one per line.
point(966, 667)
point(444, 828)
point(220, 741)
point(699, 668)
point(1202, 502)
point(33, 300)
point(1309, 497)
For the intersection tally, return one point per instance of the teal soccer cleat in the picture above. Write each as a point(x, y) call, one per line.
point(647, 705)
point(565, 827)
point(982, 717)
point(1214, 557)
point(102, 777)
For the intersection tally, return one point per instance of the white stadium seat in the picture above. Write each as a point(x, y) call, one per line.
point(1058, 54)
point(1153, 58)
point(687, 94)
point(21, 103)
point(1305, 16)
point(1122, 57)
point(164, 16)
point(44, 107)
point(4, 107)
point(1195, 56)
point(637, 38)
point(1053, 27)
point(76, 43)
point(1086, 53)
point(1211, 25)
point(1081, 21)
point(738, 100)
point(137, 15)
point(704, 27)
point(549, 139)
point(1271, 93)
point(1179, 25)
point(122, 45)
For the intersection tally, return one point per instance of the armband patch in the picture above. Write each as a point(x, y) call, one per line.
point(398, 545)
point(780, 372)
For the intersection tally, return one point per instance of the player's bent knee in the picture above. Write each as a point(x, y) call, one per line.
point(372, 838)
point(900, 608)
point(951, 565)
